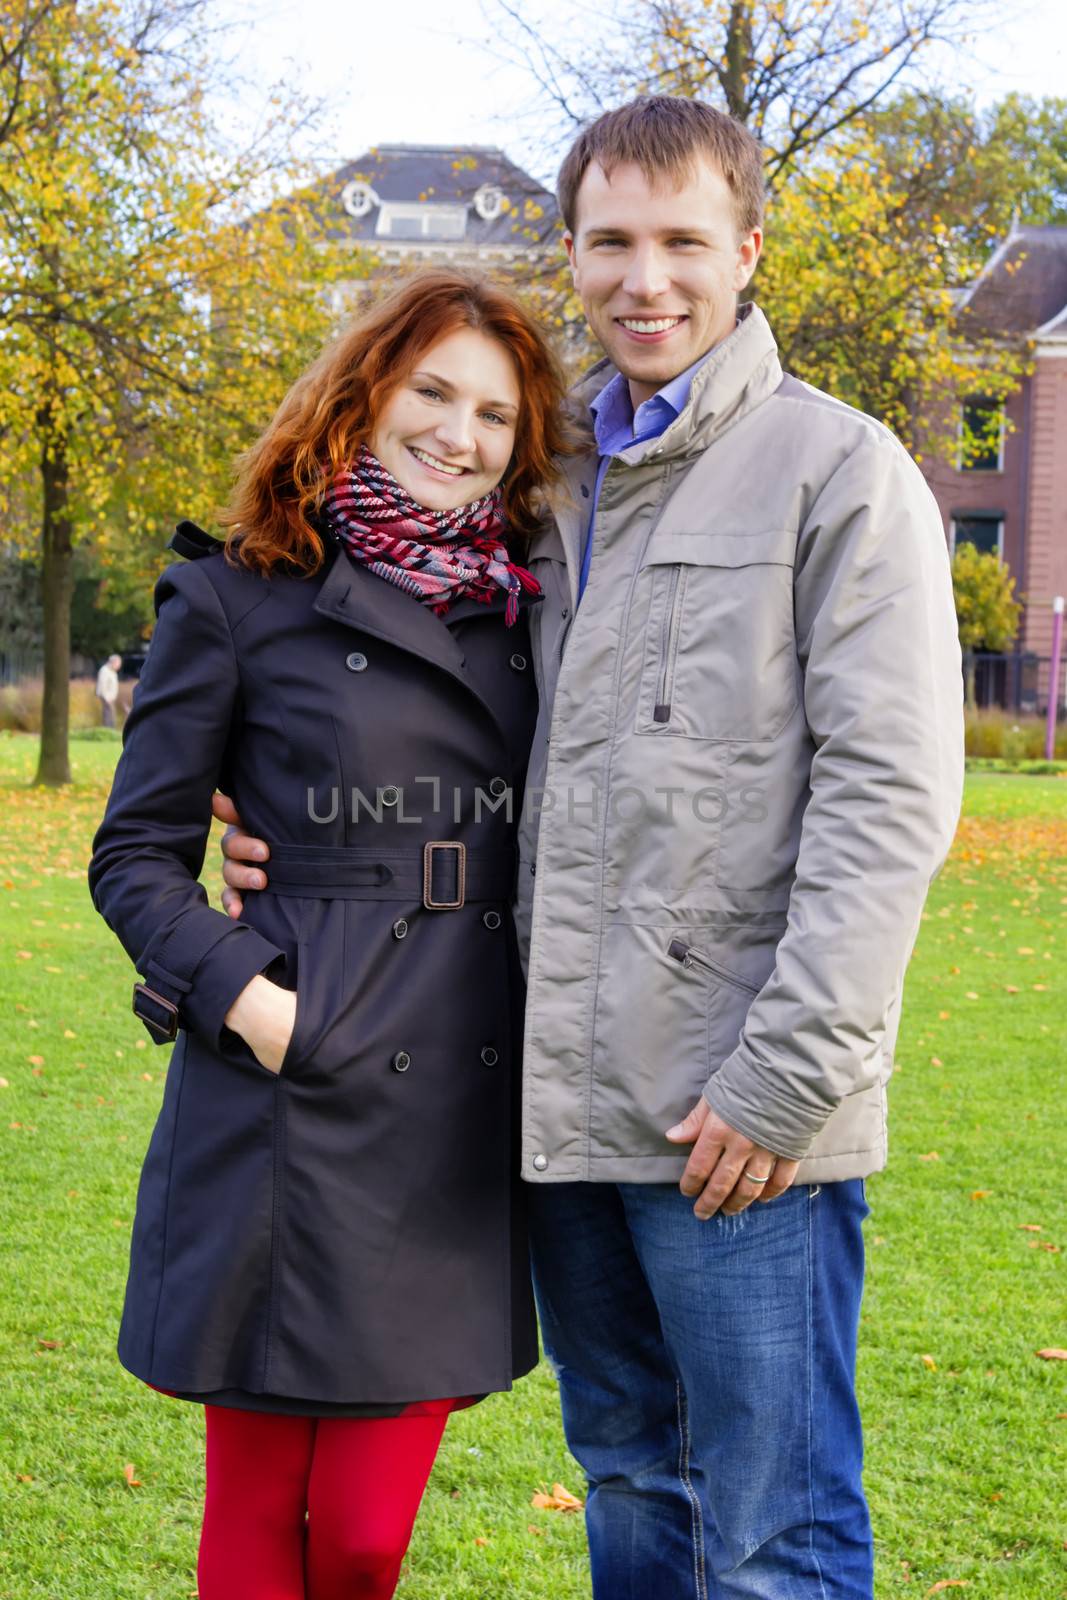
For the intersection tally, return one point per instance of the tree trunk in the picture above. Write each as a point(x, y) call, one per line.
point(970, 671)
point(57, 587)
point(738, 60)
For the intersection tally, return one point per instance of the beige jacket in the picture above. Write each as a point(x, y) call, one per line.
point(750, 754)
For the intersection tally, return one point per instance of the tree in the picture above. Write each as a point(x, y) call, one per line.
point(986, 608)
point(878, 212)
point(148, 322)
point(795, 72)
point(860, 277)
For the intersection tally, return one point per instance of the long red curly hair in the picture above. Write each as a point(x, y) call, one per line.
point(333, 409)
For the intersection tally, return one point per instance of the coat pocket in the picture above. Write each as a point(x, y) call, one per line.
point(728, 1000)
point(719, 658)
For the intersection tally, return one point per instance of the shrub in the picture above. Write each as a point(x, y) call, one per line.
point(1002, 735)
point(20, 705)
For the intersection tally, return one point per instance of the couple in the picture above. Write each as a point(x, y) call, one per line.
point(721, 682)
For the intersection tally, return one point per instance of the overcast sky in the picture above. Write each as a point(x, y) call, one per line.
point(419, 71)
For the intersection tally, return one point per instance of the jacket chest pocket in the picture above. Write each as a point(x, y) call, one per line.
point(719, 655)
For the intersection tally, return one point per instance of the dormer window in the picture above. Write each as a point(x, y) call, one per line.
point(415, 221)
point(490, 202)
point(358, 198)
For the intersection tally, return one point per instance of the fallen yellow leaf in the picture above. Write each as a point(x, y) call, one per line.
point(560, 1499)
point(930, 1363)
point(1052, 1355)
point(129, 1474)
point(948, 1583)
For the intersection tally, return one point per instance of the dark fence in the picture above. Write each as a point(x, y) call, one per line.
point(1017, 682)
point(18, 664)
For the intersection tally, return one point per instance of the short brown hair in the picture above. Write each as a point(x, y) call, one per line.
point(333, 408)
point(664, 134)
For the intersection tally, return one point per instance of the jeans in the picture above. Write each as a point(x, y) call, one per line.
point(706, 1374)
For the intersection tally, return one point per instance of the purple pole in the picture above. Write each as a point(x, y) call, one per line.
point(1054, 677)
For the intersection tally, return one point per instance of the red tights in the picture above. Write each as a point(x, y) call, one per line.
point(306, 1508)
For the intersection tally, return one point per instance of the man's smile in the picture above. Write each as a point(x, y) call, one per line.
point(650, 330)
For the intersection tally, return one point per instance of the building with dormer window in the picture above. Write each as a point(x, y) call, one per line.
point(421, 203)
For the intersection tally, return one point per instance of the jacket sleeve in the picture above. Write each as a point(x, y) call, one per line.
point(878, 648)
point(149, 850)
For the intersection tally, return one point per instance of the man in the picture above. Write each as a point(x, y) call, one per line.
point(750, 757)
point(107, 689)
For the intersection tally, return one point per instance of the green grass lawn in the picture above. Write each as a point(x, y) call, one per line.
point(966, 1426)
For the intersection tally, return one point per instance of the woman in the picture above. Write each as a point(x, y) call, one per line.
point(328, 1251)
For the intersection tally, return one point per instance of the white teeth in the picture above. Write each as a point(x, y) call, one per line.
point(432, 461)
point(660, 326)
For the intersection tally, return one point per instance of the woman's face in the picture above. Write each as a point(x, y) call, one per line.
point(447, 433)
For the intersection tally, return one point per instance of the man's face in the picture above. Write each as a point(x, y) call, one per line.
point(658, 269)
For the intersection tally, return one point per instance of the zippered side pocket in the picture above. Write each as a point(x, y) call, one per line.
point(688, 955)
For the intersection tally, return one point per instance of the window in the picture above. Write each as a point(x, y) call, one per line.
point(422, 222)
point(983, 529)
point(981, 435)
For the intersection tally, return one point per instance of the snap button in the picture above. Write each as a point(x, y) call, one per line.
point(518, 662)
point(497, 787)
point(400, 927)
point(585, 491)
point(492, 919)
point(401, 1061)
point(490, 1056)
point(356, 662)
point(390, 796)
point(540, 1163)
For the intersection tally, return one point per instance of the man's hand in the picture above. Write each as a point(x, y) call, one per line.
point(724, 1168)
point(238, 847)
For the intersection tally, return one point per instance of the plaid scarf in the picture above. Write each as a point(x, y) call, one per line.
point(436, 556)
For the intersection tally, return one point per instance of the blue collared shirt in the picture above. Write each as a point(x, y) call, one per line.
point(617, 426)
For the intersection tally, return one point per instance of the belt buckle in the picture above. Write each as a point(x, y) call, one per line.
point(159, 1015)
point(427, 874)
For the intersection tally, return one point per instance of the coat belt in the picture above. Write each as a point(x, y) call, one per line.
point(442, 873)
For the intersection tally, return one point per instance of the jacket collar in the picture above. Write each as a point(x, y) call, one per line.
point(738, 375)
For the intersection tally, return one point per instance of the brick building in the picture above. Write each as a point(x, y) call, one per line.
point(1011, 495)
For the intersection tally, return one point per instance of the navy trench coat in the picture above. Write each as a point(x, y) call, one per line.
point(350, 1229)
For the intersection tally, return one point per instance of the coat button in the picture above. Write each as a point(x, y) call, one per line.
point(356, 662)
point(401, 1061)
point(518, 662)
point(489, 1055)
point(492, 919)
point(540, 1163)
point(400, 928)
point(390, 796)
point(497, 787)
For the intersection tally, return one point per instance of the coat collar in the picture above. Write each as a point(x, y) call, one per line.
point(352, 595)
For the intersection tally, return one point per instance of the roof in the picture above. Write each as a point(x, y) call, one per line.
point(473, 187)
point(1023, 285)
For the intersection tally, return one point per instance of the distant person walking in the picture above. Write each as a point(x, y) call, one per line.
point(107, 689)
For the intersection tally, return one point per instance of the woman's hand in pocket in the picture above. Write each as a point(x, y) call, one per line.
point(264, 1015)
